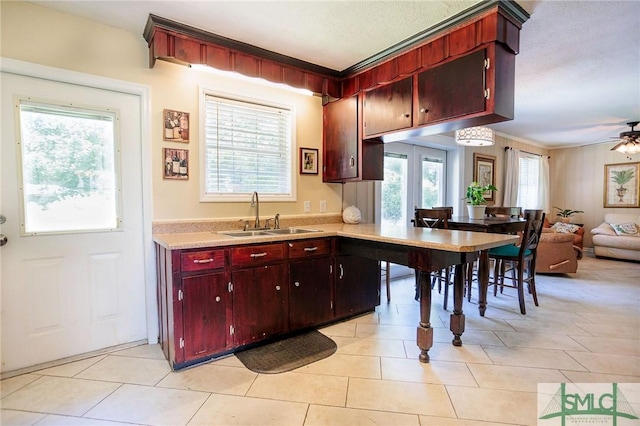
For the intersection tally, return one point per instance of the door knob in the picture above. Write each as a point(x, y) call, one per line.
point(3, 240)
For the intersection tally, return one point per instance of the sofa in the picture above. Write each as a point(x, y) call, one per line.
point(618, 237)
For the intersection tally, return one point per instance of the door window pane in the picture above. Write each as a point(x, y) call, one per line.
point(68, 167)
point(394, 189)
point(432, 183)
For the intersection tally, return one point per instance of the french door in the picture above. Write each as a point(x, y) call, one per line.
point(414, 176)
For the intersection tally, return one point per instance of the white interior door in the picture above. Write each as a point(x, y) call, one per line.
point(73, 269)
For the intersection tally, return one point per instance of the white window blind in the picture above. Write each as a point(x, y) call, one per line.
point(248, 147)
point(529, 182)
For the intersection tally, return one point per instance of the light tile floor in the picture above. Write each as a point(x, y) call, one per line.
point(587, 329)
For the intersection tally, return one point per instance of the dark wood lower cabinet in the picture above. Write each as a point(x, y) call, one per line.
point(206, 308)
point(260, 303)
point(213, 301)
point(357, 285)
point(310, 300)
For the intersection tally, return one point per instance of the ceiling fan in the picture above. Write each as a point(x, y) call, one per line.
point(629, 141)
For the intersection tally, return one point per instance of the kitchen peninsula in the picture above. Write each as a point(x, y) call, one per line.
point(218, 293)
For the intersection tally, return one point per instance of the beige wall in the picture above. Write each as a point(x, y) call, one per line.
point(36, 34)
point(497, 151)
point(577, 178)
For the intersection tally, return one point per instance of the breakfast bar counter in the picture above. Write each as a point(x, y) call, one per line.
point(423, 249)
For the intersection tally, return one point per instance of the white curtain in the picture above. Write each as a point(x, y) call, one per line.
point(543, 188)
point(511, 177)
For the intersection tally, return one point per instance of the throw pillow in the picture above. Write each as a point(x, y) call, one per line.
point(625, 228)
point(565, 228)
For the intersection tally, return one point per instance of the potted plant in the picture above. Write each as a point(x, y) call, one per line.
point(565, 214)
point(475, 198)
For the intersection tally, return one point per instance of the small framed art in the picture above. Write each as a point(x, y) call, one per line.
point(176, 126)
point(176, 163)
point(622, 185)
point(484, 172)
point(308, 161)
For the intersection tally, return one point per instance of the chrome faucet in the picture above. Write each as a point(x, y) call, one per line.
point(255, 202)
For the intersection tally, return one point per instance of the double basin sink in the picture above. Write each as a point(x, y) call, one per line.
point(265, 232)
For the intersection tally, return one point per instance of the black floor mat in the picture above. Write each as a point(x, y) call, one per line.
point(288, 354)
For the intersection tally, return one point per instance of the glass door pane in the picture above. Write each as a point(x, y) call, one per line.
point(394, 189)
point(69, 163)
point(432, 183)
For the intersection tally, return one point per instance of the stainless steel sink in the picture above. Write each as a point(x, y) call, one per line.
point(286, 231)
point(241, 234)
point(265, 232)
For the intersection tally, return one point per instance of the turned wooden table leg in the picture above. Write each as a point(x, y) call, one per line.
point(483, 281)
point(456, 322)
point(424, 332)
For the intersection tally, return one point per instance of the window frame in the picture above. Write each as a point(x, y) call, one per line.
point(206, 197)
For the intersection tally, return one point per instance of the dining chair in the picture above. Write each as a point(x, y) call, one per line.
point(493, 211)
point(522, 258)
point(437, 217)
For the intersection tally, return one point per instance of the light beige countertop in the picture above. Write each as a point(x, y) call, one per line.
point(438, 239)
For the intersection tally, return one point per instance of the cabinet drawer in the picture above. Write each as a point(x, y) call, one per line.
point(202, 260)
point(309, 248)
point(256, 255)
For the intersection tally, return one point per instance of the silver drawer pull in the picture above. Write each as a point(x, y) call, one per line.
point(202, 261)
point(258, 254)
point(297, 284)
point(278, 287)
point(310, 248)
point(217, 298)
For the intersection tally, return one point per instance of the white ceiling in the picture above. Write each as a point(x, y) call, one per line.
point(577, 74)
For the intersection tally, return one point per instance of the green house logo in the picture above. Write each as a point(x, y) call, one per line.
point(588, 404)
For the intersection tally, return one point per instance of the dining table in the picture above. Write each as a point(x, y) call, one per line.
point(490, 224)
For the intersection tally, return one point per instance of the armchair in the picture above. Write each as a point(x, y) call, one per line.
point(557, 253)
point(578, 234)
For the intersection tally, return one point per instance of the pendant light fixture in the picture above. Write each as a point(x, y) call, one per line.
point(475, 136)
point(629, 141)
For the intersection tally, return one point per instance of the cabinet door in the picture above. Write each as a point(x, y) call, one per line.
point(357, 285)
point(260, 303)
point(388, 108)
point(341, 139)
point(205, 309)
point(310, 292)
point(451, 90)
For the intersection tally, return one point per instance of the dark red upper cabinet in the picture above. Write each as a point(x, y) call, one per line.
point(388, 108)
point(454, 89)
point(341, 139)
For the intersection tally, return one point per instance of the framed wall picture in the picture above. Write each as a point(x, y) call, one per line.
point(484, 172)
point(175, 126)
point(308, 161)
point(176, 163)
point(622, 185)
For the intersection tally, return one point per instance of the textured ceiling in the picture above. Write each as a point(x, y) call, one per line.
point(577, 74)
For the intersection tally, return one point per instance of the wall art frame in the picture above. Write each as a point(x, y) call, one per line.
point(175, 163)
point(308, 161)
point(175, 126)
point(622, 185)
point(484, 172)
